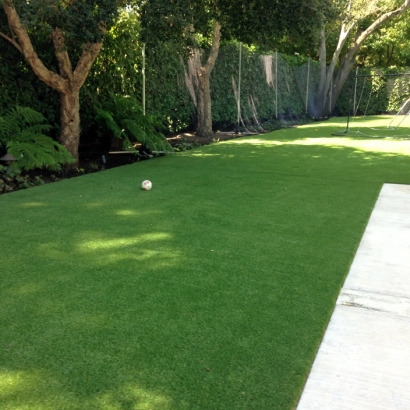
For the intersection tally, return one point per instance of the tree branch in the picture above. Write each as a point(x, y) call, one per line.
point(216, 39)
point(15, 44)
point(43, 73)
point(64, 62)
point(88, 56)
point(381, 20)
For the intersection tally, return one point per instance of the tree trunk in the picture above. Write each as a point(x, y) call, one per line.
point(325, 100)
point(70, 122)
point(204, 126)
point(345, 68)
point(318, 101)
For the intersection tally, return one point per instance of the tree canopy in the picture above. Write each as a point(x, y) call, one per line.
point(265, 23)
point(271, 24)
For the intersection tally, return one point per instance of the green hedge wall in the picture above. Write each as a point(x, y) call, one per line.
point(258, 91)
point(118, 70)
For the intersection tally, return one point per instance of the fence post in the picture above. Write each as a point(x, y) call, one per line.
point(239, 88)
point(330, 97)
point(307, 87)
point(143, 78)
point(276, 81)
point(355, 90)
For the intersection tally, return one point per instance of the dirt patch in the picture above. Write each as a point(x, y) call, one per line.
point(93, 159)
point(192, 138)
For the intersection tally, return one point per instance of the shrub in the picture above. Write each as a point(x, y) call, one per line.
point(22, 134)
point(123, 118)
point(11, 179)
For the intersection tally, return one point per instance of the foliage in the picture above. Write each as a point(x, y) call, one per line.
point(76, 31)
point(385, 92)
point(116, 70)
point(185, 145)
point(182, 22)
point(19, 85)
point(22, 133)
point(399, 93)
point(11, 179)
point(258, 90)
point(271, 25)
point(388, 46)
point(166, 93)
point(123, 118)
point(188, 23)
point(81, 22)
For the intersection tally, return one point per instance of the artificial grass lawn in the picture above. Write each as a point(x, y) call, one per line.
point(212, 291)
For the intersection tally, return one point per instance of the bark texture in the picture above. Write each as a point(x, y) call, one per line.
point(204, 106)
point(70, 122)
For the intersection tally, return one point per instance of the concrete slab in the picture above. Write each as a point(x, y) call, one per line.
point(363, 362)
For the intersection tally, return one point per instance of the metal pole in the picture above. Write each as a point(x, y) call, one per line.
point(239, 88)
point(143, 78)
point(355, 89)
point(330, 97)
point(276, 81)
point(307, 86)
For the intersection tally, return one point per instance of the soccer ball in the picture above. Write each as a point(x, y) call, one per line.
point(146, 185)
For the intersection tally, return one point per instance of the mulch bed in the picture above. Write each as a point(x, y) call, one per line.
point(92, 159)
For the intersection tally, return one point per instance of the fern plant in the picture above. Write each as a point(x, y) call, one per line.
point(123, 117)
point(22, 134)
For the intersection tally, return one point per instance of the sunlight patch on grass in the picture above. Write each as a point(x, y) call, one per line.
point(140, 213)
point(386, 146)
point(28, 390)
point(401, 147)
point(32, 204)
point(52, 250)
point(121, 242)
point(379, 121)
point(158, 258)
point(140, 398)
point(11, 382)
point(83, 320)
point(94, 205)
point(126, 212)
point(28, 289)
point(202, 154)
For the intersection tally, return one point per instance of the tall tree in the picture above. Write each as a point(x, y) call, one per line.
point(186, 23)
point(358, 19)
point(190, 22)
point(76, 29)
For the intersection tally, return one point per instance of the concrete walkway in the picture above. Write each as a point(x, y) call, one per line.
point(363, 362)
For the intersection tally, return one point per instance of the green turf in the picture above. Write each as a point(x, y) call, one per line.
point(212, 291)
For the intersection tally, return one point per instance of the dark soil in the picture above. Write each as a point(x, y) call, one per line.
point(92, 158)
